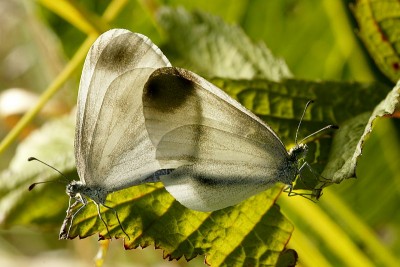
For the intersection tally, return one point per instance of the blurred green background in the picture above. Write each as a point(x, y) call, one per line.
point(318, 41)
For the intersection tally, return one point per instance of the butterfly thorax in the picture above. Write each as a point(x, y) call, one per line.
point(290, 170)
point(77, 189)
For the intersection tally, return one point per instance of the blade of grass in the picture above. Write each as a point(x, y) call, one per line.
point(325, 228)
point(359, 228)
point(309, 254)
point(76, 61)
point(113, 9)
point(74, 13)
point(53, 88)
point(346, 41)
point(151, 7)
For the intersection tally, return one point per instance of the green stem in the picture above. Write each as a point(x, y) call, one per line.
point(111, 12)
point(72, 65)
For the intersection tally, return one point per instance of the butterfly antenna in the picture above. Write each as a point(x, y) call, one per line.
point(301, 119)
point(50, 181)
point(320, 130)
point(315, 133)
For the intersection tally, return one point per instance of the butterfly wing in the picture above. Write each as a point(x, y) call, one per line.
point(223, 153)
point(112, 149)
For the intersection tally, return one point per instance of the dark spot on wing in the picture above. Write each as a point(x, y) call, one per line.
point(210, 181)
point(217, 180)
point(168, 88)
point(122, 52)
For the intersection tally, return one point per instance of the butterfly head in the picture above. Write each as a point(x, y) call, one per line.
point(298, 153)
point(77, 189)
point(74, 188)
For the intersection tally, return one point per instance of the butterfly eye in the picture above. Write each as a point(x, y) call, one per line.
point(72, 189)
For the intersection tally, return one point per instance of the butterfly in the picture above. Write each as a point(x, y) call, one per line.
point(221, 153)
point(112, 147)
point(140, 120)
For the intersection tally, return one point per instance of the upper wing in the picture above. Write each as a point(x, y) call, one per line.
point(223, 153)
point(175, 97)
point(112, 148)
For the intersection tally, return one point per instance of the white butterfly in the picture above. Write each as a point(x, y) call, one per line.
point(222, 153)
point(112, 147)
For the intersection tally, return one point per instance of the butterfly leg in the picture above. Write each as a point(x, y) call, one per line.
point(63, 232)
point(291, 193)
point(81, 200)
point(288, 189)
point(318, 176)
point(317, 191)
point(101, 218)
point(119, 222)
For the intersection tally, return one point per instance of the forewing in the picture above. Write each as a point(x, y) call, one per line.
point(175, 97)
point(110, 137)
point(208, 136)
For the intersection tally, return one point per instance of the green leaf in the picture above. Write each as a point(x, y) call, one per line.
point(378, 28)
point(45, 205)
point(213, 48)
point(360, 127)
point(242, 235)
point(343, 160)
point(255, 229)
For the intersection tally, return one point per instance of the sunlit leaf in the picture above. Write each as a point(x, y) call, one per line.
point(45, 205)
point(151, 216)
point(213, 48)
point(360, 126)
point(378, 22)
